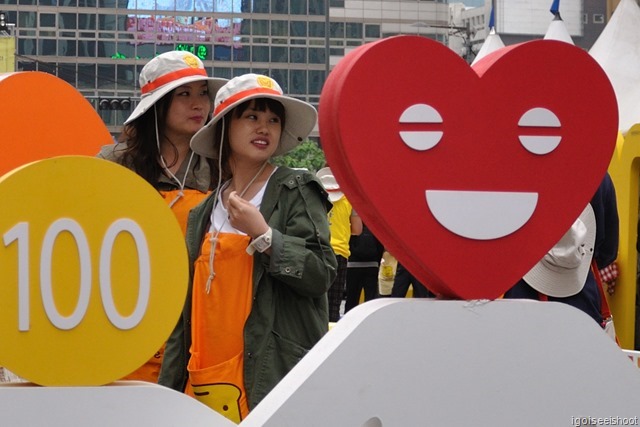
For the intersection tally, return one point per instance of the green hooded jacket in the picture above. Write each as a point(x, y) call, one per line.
point(289, 313)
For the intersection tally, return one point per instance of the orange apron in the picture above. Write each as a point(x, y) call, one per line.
point(181, 206)
point(217, 325)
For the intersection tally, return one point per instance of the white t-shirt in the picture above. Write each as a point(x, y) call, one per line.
point(220, 215)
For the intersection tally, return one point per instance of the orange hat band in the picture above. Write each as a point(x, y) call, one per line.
point(185, 72)
point(243, 94)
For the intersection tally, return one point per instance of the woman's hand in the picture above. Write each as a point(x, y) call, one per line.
point(245, 217)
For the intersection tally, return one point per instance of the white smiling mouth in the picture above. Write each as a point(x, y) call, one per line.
point(481, 215)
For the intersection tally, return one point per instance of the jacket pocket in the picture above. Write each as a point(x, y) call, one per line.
point(279, 357)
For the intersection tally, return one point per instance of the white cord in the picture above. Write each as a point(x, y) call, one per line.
point(166, 168)
point(213, 240)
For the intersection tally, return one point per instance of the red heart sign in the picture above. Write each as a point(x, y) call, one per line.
point(468, 175)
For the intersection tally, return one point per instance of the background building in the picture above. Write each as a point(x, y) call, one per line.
point(99, 46)
point(517, 22)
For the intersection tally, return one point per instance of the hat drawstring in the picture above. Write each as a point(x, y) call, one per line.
point(181, 185)
point(213, 240)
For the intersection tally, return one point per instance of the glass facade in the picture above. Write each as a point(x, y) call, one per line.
point(99, 46)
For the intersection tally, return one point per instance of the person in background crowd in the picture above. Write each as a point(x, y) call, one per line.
point(564, 273)
point(344, 222)
point(605, 207)
point(590, 297)
point(387, 273)
point(401, 282)
point(362, 267)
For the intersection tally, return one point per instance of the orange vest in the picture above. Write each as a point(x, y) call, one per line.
point(151, 369)
point(217, 325)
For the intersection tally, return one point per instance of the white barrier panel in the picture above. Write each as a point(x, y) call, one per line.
point(121, 404)
point(393, 362)
point(397, 362)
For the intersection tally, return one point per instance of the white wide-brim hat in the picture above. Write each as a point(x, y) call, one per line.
point(562, 272)
point(300, 116)
point(330, 184)
point(168, 71)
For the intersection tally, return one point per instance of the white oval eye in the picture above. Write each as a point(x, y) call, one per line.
point(536, 121)
point(421, 140)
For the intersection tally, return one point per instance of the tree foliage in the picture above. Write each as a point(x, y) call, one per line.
point(307, 155)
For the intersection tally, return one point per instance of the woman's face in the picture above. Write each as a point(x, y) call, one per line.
point(189, 110)
point(254, 135)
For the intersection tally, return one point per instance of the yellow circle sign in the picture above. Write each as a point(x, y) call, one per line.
point(93, 271)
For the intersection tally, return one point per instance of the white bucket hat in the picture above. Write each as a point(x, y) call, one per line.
point(300, 116)
point(562, 272)
point(166, 72)
point(330, 184)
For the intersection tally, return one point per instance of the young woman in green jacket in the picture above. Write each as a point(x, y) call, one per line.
point(260, 252)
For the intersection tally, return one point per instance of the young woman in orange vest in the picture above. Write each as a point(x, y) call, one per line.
point(176, 102)
point(261, 252)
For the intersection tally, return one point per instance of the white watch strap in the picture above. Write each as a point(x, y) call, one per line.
point(260, 243)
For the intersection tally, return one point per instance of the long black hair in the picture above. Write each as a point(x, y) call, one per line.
point(142, 153)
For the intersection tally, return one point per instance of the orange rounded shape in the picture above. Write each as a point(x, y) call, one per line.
point(44, 116)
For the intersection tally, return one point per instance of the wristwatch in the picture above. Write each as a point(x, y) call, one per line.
point(260, 243)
